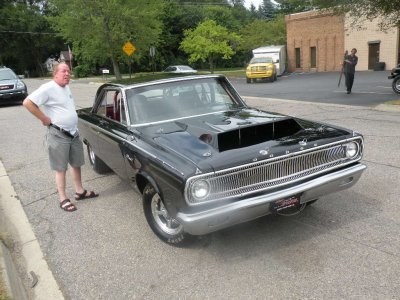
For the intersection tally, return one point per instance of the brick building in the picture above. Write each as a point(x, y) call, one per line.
point(316, 42)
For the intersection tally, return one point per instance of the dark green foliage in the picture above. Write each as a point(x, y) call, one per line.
point(26, 37)
point(33, 30)
point(83, 70)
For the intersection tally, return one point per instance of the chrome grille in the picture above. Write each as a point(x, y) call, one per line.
point(267, 174)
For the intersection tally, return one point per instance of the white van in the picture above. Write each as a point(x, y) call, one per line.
point(278, 55)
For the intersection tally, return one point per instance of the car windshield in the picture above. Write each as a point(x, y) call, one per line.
point(257, 60)
point(7, 74)
point(179, 99)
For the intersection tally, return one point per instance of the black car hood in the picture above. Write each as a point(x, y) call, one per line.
point(237, 137)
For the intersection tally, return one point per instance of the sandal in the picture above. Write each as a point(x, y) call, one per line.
point(84, 195)
point(67, 205)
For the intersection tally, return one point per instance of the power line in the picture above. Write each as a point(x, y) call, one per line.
point(26, 32)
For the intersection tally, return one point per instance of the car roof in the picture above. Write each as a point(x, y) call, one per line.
point(172, 79)
point(182, 77)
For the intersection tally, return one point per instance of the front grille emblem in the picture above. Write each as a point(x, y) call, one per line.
point(264, 151)
point(303, 142)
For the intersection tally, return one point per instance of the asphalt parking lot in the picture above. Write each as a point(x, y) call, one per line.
point(370, 88)
point(345, 246)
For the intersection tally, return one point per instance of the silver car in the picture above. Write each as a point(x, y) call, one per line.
point(12, 88)
point(181, 69)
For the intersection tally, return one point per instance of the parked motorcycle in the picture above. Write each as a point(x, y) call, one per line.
point(395, 75)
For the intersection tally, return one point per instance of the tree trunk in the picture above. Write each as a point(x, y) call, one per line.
point(116, 68)
point(211, 62)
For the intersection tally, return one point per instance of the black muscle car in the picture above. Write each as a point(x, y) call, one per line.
point(203, 160)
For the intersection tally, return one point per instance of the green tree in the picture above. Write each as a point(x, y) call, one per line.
point(209, 41)
point(263, 33)
point(293, 6)
point(387, 10)
point(267, 10)
point(26, 39)
point(98, 29)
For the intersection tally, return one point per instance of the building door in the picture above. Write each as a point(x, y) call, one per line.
point(373, 55)
point(313, 57)
point(298, 58)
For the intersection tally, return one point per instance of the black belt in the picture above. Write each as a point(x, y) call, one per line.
point(67, 133)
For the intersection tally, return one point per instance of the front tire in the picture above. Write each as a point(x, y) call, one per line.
point(396, 85)
point(97, 164)
point(167, 228)
point(248, 80)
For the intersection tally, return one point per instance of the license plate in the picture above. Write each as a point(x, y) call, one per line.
point(285, 203)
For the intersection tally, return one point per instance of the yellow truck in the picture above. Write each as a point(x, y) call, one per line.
point(261, 68)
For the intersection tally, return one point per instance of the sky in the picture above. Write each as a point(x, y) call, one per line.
point(256, 3)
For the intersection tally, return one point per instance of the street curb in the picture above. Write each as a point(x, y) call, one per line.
point(18, 226)
point(13, 283)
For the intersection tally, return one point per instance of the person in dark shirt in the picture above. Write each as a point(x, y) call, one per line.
point(350, 62)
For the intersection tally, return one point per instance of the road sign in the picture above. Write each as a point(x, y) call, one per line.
point(128, 48)
point(152, 51)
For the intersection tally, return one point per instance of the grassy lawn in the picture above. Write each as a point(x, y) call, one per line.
point(393, 102)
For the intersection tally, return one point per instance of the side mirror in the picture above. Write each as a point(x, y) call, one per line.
point(21, 76)
point(277, 60)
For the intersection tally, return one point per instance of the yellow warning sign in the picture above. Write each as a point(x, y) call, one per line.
point(129, 48)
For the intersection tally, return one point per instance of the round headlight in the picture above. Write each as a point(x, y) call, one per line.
point(351, 149)
point(200, 189)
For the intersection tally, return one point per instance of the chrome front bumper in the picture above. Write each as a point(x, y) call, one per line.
point(251, 208)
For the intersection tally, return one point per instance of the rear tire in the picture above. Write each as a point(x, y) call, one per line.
point(168, 229)
point(396, 85)
point(97, 164)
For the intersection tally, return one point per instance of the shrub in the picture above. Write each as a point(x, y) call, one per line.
point(82, 71)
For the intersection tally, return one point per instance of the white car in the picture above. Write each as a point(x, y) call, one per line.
point(180, 69)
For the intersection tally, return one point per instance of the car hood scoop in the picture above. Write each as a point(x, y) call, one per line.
point(217, 133)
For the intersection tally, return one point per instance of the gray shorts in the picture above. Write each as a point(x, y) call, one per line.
point(63, 150)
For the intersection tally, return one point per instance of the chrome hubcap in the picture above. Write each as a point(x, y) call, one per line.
point(92, 156)
point(167, 224)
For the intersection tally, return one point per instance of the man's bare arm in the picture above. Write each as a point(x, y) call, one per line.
point(34, 110)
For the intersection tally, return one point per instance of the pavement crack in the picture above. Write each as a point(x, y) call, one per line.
point(381, 164)
point(40, 199)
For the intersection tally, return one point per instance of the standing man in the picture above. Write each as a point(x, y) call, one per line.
point(350, 62)
point(63, 143)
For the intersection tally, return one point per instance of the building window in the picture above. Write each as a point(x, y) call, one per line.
point(298, 60)
point(313, 58)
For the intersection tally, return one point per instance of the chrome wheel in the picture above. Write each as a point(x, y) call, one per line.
point(396, 85)
point(92, 156)
point(98, 165)
point(163, 220)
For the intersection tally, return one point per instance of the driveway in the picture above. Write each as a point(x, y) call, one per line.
point(344, 246)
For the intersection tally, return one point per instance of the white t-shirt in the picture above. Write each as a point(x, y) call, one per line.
point(57, 104)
